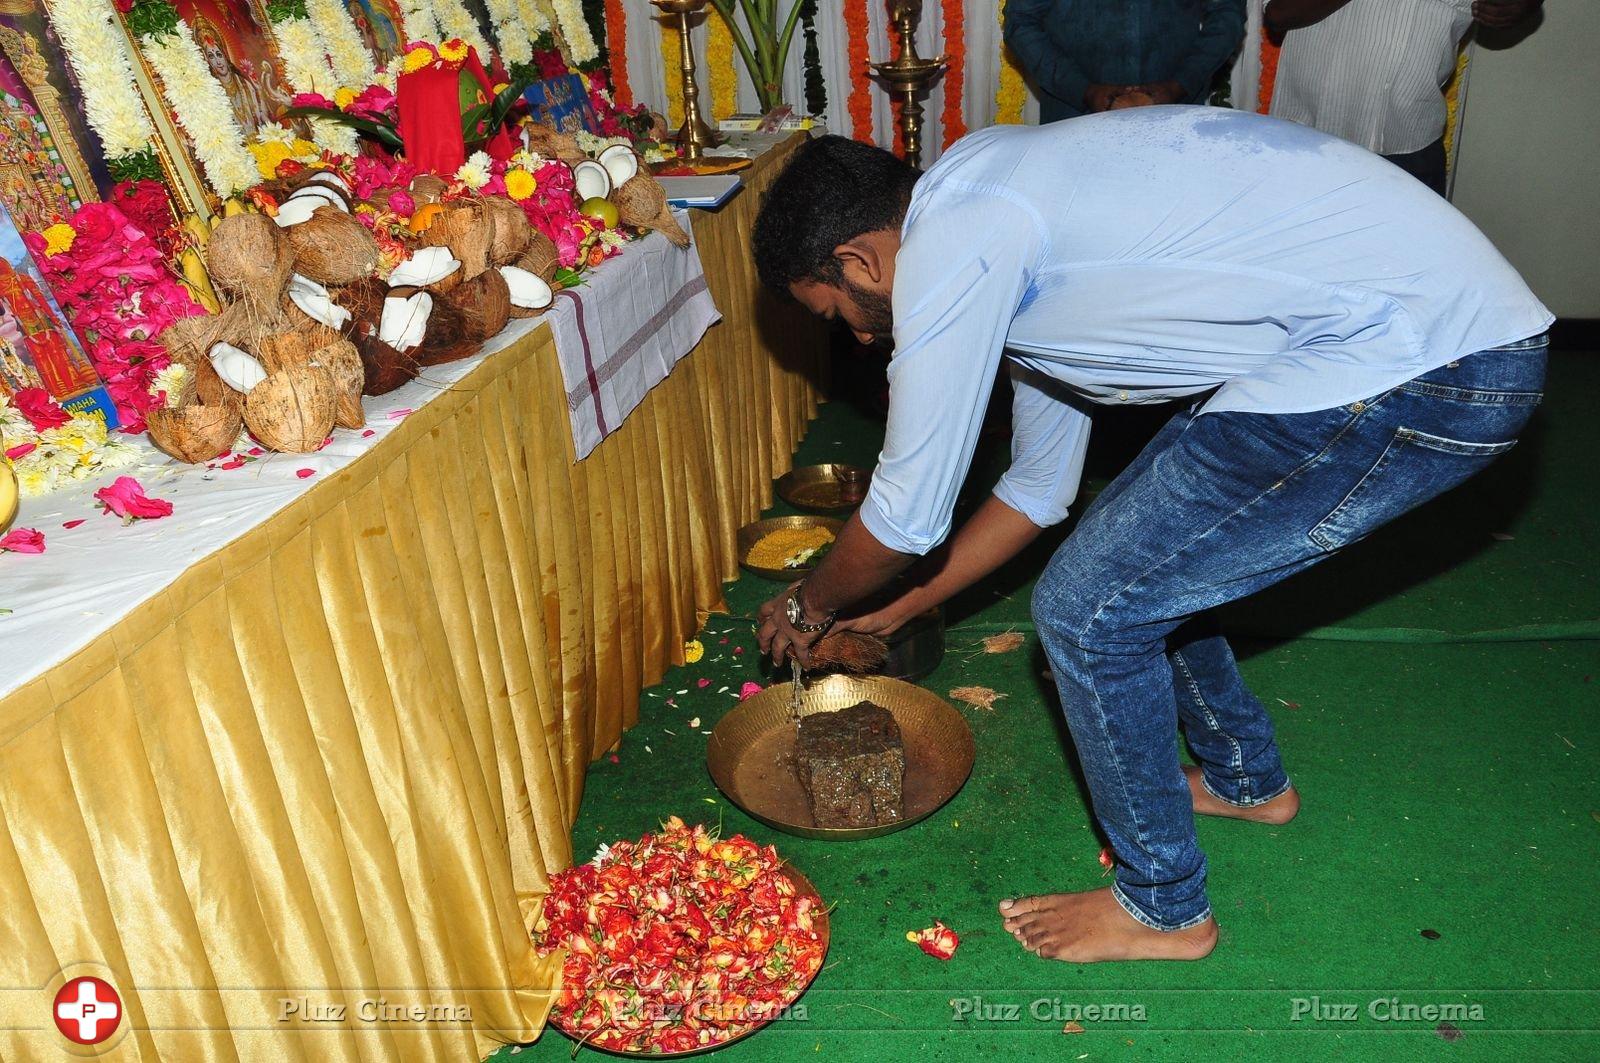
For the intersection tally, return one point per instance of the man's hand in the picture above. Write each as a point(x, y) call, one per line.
point(1156, 92)
point(1097, 98)
point(1498, 14)
point(781, 639)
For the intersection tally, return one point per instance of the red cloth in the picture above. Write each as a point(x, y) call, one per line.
point(430, 120)
point(500, 145)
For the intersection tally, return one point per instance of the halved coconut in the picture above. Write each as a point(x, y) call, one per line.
point(343, 363)
point(643, 202)
point(331, 178)
point(321, 191)
point(485, 305)
point(528, 290)
point(196, 433)
point(292, 410)
point(295, 211)
point(239, 369)
point(427, 265)
point(591, 180)
point(333, 248)
point(620, 163)
point(314, 301)
point(382, 367)
point(405, 321)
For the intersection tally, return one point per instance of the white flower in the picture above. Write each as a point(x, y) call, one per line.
point(612, 238)
point(203, 110)
point(601, 855)
point(456, 21)
point(575, 29)
point(275, 134)
point(306, 63)
point(474, 173)
point(420, 23)
point(347, 54)
point(528, 160)
point(534, 20)
point(594, 145)
point(170, 380)
point(98, 54)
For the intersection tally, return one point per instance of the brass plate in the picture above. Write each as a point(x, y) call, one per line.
point(802, 888)
point(817, 488)
point(750, 752)
point(750, 534)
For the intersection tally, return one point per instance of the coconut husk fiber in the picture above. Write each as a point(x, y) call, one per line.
point(343, 363)
point(541, 257)
point(427, 188)
point(196, 432)
point(364, 299)
point(332, 248)
point(249, 258)
point(642, 201)
point(467, 229)
point(511, 230)
point(485, 306)
point(382, 367)
point(552, 143)
point(850, 651)
point(292, 410)
point(449, 337)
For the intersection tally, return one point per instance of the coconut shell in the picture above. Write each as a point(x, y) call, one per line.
point(292, 410)
point(427, 188)
point(249, 258)
point(196, 432)
point(343, 363)
point(541, 257)
point(332, 248)
point(552, 143)
point(309, 177)
point(467, 229)
point(449, 337)
point(511, 230)
point(383, 368)
point(642, 201)
point(364, 300)
point(485, 305)
point(189, 341)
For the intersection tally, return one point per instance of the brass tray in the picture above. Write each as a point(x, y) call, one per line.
point(802, 888)
point(810, 486)
point(750, 534)
point(749, 755)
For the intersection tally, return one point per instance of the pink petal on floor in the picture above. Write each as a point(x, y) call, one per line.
point(73, 523)
point(303, 473)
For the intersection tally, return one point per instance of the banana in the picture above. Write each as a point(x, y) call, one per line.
point(195, 227)
point(199, 282)
point(232, 207)
point(8, 494)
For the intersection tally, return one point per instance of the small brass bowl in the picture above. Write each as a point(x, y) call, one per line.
point(824, 488)
point(751, 752)
point(751, 534)
point(819, 922)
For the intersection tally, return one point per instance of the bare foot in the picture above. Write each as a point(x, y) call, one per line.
point(1278, 811)
point(1092, 927)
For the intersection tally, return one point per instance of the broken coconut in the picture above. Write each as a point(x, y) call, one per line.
point(512, 230)
point(313, 300)
point(404, 321)
point(643, 202)
point(620, 163)
point(541, 258)
point(467, 229)
point(448, 338)
point(291, 411)
point(427, 265)
point(239, 369)
point(383, 368)
point(196, 432)
point(529, 294)
point(485, 305)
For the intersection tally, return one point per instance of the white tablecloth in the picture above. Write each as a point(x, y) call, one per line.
point(643, 311)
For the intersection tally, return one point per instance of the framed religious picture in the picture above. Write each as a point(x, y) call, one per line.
point(379, 23)
point(51, 159)
point(562, 102)
point(37, 346)
point(240, 53)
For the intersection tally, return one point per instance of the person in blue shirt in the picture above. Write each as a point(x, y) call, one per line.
point(1086, 56)
point(1343, 346)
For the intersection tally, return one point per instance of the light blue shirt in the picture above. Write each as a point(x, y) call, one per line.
point(1151, 254)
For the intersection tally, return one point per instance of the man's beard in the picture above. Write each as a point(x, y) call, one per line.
point(877, 313)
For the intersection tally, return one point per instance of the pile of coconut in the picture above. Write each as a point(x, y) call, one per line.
point(309, 325)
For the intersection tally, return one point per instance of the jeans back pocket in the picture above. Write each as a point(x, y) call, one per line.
point(1414, 468)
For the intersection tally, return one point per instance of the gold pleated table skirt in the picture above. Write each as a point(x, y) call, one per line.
point(301, 805)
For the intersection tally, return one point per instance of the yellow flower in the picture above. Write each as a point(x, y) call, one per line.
point(269, 156)
point(453, 50)
point(520, 184)
point(498, 89)
point(58, 238)
point(416, 59)
point(344, 97)
point(692, 650)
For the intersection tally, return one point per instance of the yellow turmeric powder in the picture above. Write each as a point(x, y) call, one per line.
point(788, 547)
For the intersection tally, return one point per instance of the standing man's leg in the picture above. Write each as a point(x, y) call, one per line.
point(1427, 165)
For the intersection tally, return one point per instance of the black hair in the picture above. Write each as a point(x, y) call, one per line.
point(832, 191)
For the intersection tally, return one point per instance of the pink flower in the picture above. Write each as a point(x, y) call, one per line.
point(312, 99)
point(126, 498)
point(749, 690)
point(703, 683)
point(21, 450)
point(38, 407)
point(374, 102)
point(22, 541)
point(401, 203)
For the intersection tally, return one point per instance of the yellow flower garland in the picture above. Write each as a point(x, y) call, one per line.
point(1452, 105)
point(672, 64)
point(724, 72)
point(1013, 91)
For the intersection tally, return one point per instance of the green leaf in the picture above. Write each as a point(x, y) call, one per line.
point(382, 132)
point(568, 277)
point(152, 18)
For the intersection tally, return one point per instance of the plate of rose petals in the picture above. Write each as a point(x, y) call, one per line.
point(680, 942)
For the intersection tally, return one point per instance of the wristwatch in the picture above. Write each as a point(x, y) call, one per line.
point(797, 613)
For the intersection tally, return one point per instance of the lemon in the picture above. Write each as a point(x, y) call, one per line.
point(8, 494)
point(601, 210)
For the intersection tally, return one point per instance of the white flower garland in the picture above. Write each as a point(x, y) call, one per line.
point(515, 47)
point(98, 52)
point(306, 64)
point(456, 21)
point(203, 110)
point(575, 30)
point(534, 20)
point(417, 18)
point(62, 456)
point(352, 64)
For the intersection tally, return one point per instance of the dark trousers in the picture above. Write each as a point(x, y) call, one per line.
point(1427, 165)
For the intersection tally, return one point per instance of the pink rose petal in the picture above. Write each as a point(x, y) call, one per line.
point(304, 473)
point(22, 541)
point(236, 463)
point(703, 683)
point(368, 432)
point(73, 523)
point(749, 690)
point(395, 415)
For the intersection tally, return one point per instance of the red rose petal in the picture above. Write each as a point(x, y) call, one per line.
point(72, 523)
point(303, 473)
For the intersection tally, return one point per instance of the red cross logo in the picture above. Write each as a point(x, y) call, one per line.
point(87, 1010)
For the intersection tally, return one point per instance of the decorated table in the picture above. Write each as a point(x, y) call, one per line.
point(313, 748)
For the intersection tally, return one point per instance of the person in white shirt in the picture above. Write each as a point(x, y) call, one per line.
point(1373, 71)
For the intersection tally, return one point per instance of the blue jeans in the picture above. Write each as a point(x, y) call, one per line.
point(1217, 507)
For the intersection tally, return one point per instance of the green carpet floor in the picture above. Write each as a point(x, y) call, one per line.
point(1436, 700)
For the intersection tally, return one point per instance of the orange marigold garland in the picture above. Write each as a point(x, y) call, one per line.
point(955, 50)
point(1269, 74)
point(617, 46)
point(855, 21)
